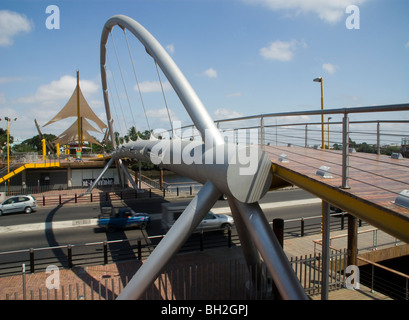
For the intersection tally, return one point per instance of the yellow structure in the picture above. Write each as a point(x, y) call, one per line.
point(29, 166)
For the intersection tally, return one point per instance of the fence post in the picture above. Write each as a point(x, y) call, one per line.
point(345, 152)
point(139, 249)
point(302, 226)
point(306, 136)
point(262, 132)
point(43, 200)
point(24, 281)
point(201, 240)
point(378, 138)
point(69, 249)
point(32, 268)
point(105, 252)
point(229, 236)
point(325, 249)
point(59, 199)
point(278, 228)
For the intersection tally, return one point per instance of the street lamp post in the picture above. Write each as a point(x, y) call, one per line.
point(8, 145)
point(8, 140)
point(320, 80)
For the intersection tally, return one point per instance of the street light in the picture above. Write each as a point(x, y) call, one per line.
point(8, 142)
point(320, 80)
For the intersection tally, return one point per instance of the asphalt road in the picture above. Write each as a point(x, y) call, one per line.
point(285, 204)
point(151, 206)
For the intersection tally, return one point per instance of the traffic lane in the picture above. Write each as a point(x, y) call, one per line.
point(62, 237)
point(86, 234)
point(73, 212)
point(92, 210)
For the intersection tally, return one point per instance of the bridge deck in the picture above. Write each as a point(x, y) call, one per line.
point(375, 181)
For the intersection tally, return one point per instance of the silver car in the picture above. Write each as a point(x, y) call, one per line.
point(216, 221)
point(22, 203)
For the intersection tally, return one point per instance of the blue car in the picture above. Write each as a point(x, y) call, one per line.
point(113, 219)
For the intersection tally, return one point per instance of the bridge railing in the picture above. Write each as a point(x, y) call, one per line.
point(375, 129)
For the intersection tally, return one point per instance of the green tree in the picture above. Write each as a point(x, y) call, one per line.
point(34, 144)
point(133, 134)
point(3, 140)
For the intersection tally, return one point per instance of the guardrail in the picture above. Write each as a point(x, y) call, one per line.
point(215, 280)
point(103, 252)
point(294, 130)
point(398, 289)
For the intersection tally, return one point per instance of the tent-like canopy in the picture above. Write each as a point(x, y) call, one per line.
point(71, 134)
point(77, 107)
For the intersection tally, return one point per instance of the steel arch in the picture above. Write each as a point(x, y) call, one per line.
point(243, 191)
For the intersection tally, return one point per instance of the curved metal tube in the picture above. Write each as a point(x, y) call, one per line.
point(198, 113)
point(224, 176)
point(171, 243)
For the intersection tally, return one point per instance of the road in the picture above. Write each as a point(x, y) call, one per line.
point(286, 204)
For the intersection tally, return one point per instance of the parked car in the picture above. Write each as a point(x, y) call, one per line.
point(22, 203)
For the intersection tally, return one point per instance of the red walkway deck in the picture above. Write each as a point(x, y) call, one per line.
point(375, 182)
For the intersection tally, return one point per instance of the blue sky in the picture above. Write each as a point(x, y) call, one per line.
point(242, 57)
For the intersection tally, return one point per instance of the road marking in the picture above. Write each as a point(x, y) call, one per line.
point(272, 205)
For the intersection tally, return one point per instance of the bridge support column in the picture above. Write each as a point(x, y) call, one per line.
point(171, 243)
point(352, 245)
point(249, 249)
point(274, 257)
point(325, 249)
point(69, 177)
point(24, 179)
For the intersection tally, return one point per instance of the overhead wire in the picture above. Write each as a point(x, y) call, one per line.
point(123, 81)
point(137, 82)
point(164, 98)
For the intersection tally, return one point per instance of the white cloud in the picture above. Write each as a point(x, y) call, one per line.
point(162, 115)
point(281, 50)
point(330, 11)
point(3, 99)
point(11, 24)
point(329, 67)
point(152, 86)
point(211, 73)
point(170, 48)
point(223, 113)
point(4, 80)
point(58, 90)
point(234, 94)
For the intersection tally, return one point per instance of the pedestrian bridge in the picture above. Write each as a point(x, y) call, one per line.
point(375, 183)
point(369, 186)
